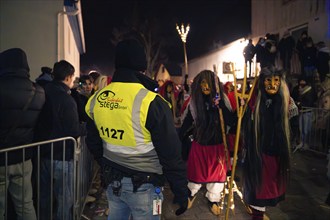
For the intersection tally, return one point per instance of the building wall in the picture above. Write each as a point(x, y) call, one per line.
point(232, 52)
point(276, 16)
point(33, 26)
point(269, 16)
point(67, 48)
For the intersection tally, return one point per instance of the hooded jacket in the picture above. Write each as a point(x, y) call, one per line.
point(16, 93)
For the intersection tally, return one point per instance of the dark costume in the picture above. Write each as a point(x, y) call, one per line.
point(169, 93)
point(207, 160)
point(267, 143)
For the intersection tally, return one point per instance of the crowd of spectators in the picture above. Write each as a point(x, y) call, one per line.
point(51, 107)
point(55, 105)
point(309, 84)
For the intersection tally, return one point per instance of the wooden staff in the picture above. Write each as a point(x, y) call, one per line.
point(240, 113)
point(173, 100)
point(223, 131)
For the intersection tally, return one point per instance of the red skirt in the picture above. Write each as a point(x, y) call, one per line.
point(271, 187)
point(207, 163)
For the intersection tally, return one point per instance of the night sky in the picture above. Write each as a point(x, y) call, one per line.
point(212, 23)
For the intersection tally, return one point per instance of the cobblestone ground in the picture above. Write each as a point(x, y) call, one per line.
point(305, 197)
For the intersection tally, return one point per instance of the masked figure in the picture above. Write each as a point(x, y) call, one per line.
point(167, 91)
point(267, 142)
point(208, 158)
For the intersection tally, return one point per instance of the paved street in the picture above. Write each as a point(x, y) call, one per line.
point(305, 198)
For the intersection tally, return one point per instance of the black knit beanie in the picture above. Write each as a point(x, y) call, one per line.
point(130, 54)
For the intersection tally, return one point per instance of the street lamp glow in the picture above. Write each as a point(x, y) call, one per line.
point(183, 32)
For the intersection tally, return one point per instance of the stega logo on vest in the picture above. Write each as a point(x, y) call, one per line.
point(108, 99)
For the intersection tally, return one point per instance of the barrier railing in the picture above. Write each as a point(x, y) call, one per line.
point(315, 129)
point(86, 174)
point(77, 173)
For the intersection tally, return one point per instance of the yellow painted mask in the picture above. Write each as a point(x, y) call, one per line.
point(169, 88)
point(272, 84)
point(205, 87)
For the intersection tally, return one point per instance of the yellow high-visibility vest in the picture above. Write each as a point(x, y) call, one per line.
point(120, 113)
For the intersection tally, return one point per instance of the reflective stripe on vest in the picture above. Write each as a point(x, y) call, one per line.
point(120, 111)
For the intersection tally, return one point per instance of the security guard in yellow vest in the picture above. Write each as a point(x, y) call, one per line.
point(132, 135)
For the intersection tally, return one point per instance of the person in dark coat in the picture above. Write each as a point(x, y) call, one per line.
point(21, 102)
point(167, 91)
point(286, 46)
point(322, 60)
point(300, 47)
point(81, 95)
point(260, 49)
point(45, 77)
point(80, 101)
point(249, 51)
point(143, 147)
point(269, 53)
point(59, 118)
point(306, 100)
point(266, 139)
point(309, 60)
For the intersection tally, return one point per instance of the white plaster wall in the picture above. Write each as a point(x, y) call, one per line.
point(67, 46)
point(32, 26)
point(232, 52)
point(276, 16)
point(268, 16)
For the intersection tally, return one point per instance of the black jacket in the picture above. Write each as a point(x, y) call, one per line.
point(81, 101)
point(322, 62)
point(307, 97)
point(164, 137)
point(59, 118)
point(16, 90)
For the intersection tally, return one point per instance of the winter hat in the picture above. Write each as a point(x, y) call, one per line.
point(130, 54)
point(14, 60)
point(46, 69)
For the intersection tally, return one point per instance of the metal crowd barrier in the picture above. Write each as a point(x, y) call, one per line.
point(87, 174)
point(315, 129)
point(81, 178)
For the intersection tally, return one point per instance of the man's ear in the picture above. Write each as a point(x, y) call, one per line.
point(68, 78)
